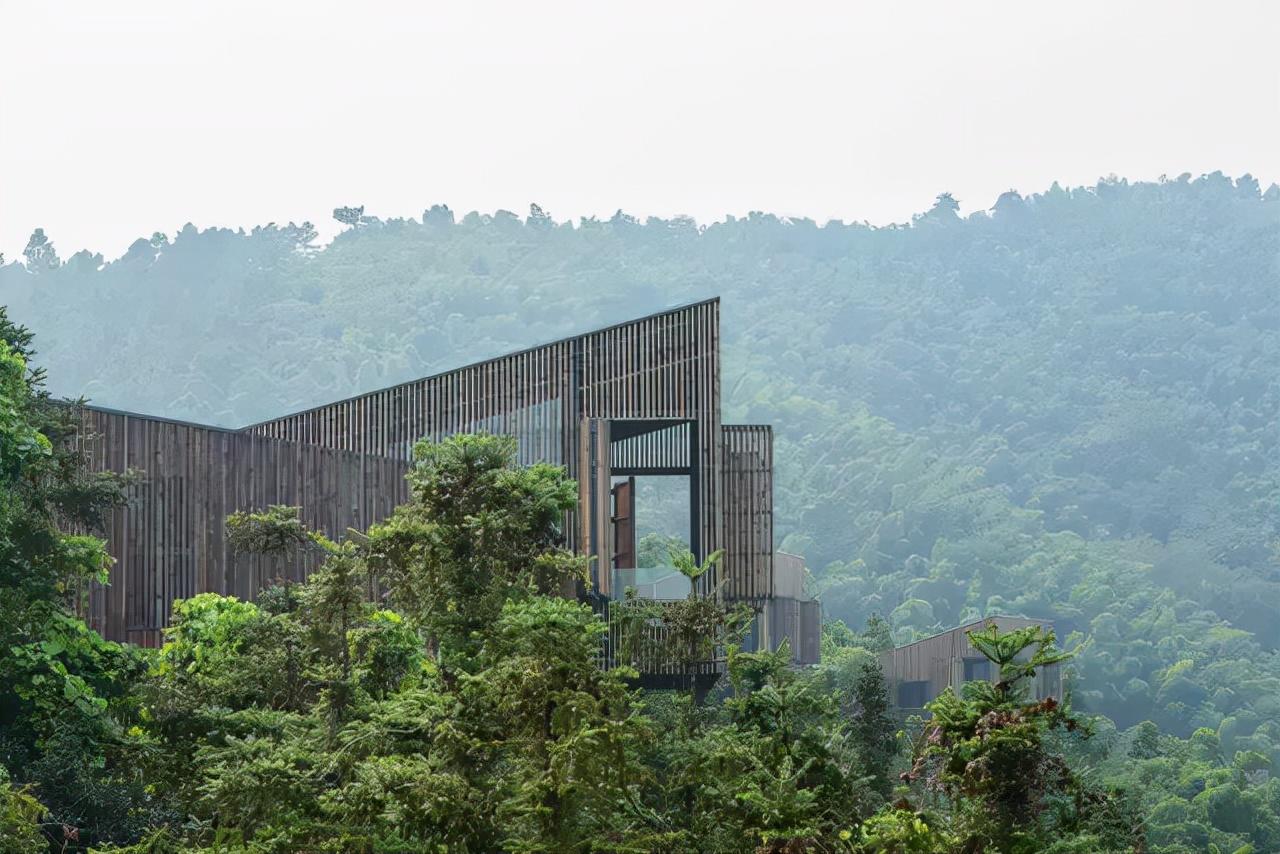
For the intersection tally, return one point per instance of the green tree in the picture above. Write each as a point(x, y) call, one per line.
point(773, 768)
point(64, 692)
point(873, 727)
point(478, 530)
point(989, 752)
point(570, 780)
point(21, 816)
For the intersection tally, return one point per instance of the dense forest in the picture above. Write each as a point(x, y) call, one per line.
point(1066, 407)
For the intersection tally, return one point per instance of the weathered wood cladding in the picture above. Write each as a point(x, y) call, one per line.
point(938, 661)
point(636, 399)
point(170, 541)
point(595, 480)
point(662, 367)
point(797, 621)
point(747, 457)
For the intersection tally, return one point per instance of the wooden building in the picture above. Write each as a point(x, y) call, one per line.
point(792, 613)
point(918, 672)
point(637, 399)
point(169, 542)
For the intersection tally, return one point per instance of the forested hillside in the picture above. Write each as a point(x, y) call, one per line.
point(1063, 407)
point(467, 711)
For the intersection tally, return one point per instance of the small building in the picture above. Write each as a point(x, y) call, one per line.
point(918, 672)
point(791, 613)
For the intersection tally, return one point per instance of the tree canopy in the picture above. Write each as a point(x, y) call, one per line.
point(1063, 408)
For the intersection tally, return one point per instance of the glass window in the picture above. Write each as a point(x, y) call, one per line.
point(913, 695)
point(978, 669)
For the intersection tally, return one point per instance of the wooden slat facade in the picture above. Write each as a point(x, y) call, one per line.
point(790, 613)
point(747, 459)
point(169, 542)
point(638, 398)
point(929, 666)
point(663, 369)
point(663, 449)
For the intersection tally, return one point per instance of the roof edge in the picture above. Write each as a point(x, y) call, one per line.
point(971, 624)
point(469, 365)
point(128, 413)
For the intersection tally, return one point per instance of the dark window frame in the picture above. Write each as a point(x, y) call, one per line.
point(978, 670)
point(913, 695)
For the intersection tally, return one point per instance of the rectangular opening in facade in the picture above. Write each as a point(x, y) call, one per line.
point(978, 670)
point(913, 695)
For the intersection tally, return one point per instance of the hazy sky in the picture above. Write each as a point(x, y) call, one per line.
point(119, 119)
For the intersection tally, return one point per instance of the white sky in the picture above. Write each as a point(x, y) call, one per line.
point(123, 118)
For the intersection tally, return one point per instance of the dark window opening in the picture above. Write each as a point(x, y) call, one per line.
point(977, 669)
point(913, 695)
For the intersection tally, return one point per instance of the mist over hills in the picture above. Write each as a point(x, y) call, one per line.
point(1064, 407)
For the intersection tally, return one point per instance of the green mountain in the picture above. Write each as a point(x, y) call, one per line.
point(1065, 407)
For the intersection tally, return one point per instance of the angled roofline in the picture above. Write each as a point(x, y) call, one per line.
point(199, 425)
point(566, 339)
point(971, 624)
point(128, 413)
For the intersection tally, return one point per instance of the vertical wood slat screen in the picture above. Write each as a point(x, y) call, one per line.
point(662, 451)
point(344, 463)
point(666, 366)
point(170, 541)
point(938, 660)
point(748, 516)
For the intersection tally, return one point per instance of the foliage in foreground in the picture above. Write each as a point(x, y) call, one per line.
point(466, 710)
point(67, 697)
point(472, 714)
